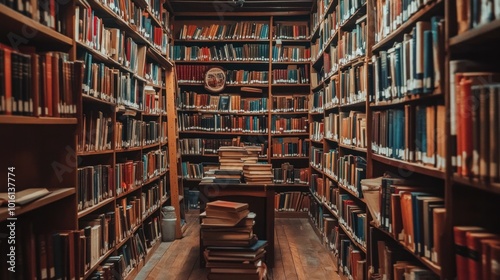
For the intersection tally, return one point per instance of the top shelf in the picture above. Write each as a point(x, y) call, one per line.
point(17, 23)
point(424, 13)
point(8, 119)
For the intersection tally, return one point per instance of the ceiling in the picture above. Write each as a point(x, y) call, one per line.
point(236, 6)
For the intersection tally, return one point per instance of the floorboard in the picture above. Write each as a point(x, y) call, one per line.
point(299, 254)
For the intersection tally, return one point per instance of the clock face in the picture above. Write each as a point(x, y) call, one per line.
point(215, 79)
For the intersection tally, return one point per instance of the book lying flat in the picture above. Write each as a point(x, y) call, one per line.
point(227, 205)
point(23, 197)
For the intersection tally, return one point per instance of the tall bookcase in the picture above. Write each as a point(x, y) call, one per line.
point(98, 99)
point(266, 60)
point(341, 45)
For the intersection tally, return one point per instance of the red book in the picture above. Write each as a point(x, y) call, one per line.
point(461, 252)
point(486, 256)
point(473, 240)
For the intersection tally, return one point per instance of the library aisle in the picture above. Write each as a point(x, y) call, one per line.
point(298, 254)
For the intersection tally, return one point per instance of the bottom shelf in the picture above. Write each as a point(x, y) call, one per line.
point(135, 271)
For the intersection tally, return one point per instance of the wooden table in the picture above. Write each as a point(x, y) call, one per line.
point(260, 199)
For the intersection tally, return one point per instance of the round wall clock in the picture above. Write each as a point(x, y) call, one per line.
point(215, 79)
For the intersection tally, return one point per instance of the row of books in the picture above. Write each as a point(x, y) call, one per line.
point(352, 45)
point(132, 133)
point(283, 53)
point(332, 126)
point(289, 147)
point(198, 146)
point(154, 102)
point(96, 133)
point(227, 52)
point(286, 31)
point(476, 14)
point(243, 77)
point(477, 252)
point(476, 109)
point(289, 174)
point(329, 66)
point(316, 158)
point(290, 103)
point(327, 29)
point(128, 175)
point(235, 104)
point(223, 123)
point(283, 125)
point(413, 66)
point(40, 11)
point(353, 218)
point(155, 163)
point(353, 85)
point(130, 254)
point(350, 258)
point(38, 84)
point(414, 134)
point(317, 101)
point(391, 14)
point(154, 74)
point(291, 202)
point(394, 263)
point(347, 8)
point(292, 75)
point(221, 103)
point(348, 170)
point(244, 30)
point(321, 189)
point(413, 214)
point(352, 129)
point(112, 85)
point(317, 130)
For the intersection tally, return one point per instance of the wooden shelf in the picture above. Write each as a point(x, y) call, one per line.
point(259, 85)
point(331, 140)
point(353, 62)
point(291, 85)
point(356, 197)
point(11, 119)
point(277, 186)
point(103, 58)
point(415, 167)
point(315, 114)
point(220, 41)
point(92, 99)
point(409, 99)
point(17, 23)
point(99, 261)
point(319, 142)
point(222, 133)
point(95, 153)
point(317, 169)
point(358, 104)
point(487, 33)
point(195, 111)
point(491, 188)
point(361, 247)
point(125, 150)
point(199, 155)
point(54, 196)
point(127, 192)
point(150, 115)
point(351, 21)
point(290, 62)
point(424, 13)
point(291, 41)
point(289, 158)
point(91, 209)
point(353, 148)
point(425, 261)
point(149, 146)
point(242, 62)
point(287, 134)
point(290, 113)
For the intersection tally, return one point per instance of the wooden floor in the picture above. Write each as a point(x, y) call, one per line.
point(298, 254)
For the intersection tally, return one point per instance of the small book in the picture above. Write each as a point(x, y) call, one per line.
point(23, 197)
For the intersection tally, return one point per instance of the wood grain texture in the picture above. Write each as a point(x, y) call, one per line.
point(299, 254)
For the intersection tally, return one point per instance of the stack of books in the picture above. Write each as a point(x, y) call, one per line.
point(258, 173)
point(231, 249)
point(233, 157)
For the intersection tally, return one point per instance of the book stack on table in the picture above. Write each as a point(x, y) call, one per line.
point(231, 249)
